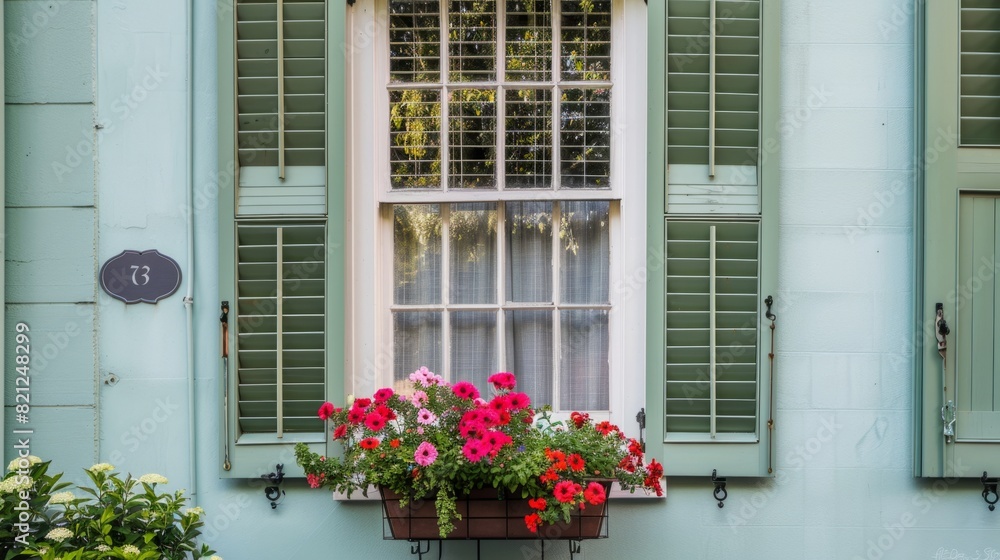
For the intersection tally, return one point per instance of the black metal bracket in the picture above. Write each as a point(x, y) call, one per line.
point(720, 492)
point(769, 301)
point(351, 3)
point(274, 493)
point(641, 419)
point(990, 487)
point(419, 548)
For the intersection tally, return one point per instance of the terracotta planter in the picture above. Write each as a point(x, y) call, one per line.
point(487, 516)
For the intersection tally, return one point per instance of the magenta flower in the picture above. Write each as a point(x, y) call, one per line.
point(503, 380)
point(326, 410)
point(383, 395)
point(465, 390)
point(375, 421)
point(426, 454)
point(474, 450)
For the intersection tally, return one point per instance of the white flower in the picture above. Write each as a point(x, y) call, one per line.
point(16, 483)
point(59, 534)
point(61, 498)
point(214, 557)
point(101, 467)
point(194, 512)
point(27, 462)
point(103, 548)
point(152, 478)
point(130, 551)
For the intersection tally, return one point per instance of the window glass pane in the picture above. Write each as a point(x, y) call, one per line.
point(529, 353)
point(586, 138)
point(529, 40)
point(473, 346)
point(473, 253)
point(416, 254)
point(529, 139)
point(472, 138)
point(414, 40)
point(585, 243)
point(584, 361)
point(416, 341)
point(415, 139)
point(472, 40)
point(586, 39)
point(529, 251)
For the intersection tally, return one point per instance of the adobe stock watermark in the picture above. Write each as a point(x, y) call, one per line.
point(798, 457)
point(945, 140)
point(30, 26)
point(921, 504)
point(123, 107)
point(901, 17)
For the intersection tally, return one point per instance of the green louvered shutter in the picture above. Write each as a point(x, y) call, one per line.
point(713, 105)
point(281, 106)
point(980, 73)
point(717, 228)
point(711, 330)
point(959, 239)
point(281, 323)
point(274, 239)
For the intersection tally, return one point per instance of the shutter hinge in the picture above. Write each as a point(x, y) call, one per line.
point(990, 487)
point(641, 419)
point(720, 493)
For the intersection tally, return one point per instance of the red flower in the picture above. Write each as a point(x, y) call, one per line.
point(576, 462)
point(362, 403)
point(549, 476)
point(386, 412)
point(498, 404)
point(595, 494)
point(315, 481)
point(369, 443)
point(465, 390)
point(326, 410)
point(537, 503)
point(532, 521)
point(579, 419)
point(375, 421)
point(503, 380)
point(394, 443)
point(566, 491)
point(340, 431)
point(635, 448)
point(605, 427)
point(383, 395)
point(356, 415)
point(504, 418)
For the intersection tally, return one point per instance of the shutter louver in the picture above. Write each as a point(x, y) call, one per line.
point(281, 106)
point(737, 81)
point(711, 330)
point(281, 334)
point(980, 73)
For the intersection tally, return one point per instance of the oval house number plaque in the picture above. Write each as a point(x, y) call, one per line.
point(140, 276)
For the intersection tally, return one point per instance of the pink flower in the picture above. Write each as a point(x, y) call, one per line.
point(465, 390)
point(474, 450)
point(340, 431)
point(418, 398)
point(426, 454)
point(383, 395)
point(503, 380)
point(425, 416)
point(356, 416)
point(325, 410)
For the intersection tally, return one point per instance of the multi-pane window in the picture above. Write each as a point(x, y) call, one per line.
point(499, 114)
point(496, 95)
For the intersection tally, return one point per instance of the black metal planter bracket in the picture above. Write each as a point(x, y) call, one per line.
point(990, 489)
point(720, 493)
point(419, 548)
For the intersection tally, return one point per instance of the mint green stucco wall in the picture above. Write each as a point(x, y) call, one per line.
point(843, 487)
point(51, 217)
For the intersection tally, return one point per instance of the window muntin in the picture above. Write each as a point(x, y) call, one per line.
point(448, 129)
point(521, 286)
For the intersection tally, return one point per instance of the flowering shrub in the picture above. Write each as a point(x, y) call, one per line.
point(117, 518)
point(444, 440)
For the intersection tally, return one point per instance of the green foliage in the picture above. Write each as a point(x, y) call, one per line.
point(117, 518)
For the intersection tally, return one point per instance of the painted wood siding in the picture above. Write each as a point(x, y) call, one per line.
point(50, 211)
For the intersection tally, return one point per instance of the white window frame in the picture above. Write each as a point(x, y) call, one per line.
point(369, 198)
